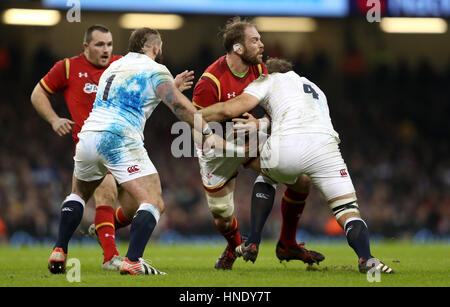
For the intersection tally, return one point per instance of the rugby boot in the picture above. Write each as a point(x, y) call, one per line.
point(226, 260)
point(364, 265)
point(298, 252)
point(248, 252)
point(114, 264)
point(140, 267)
point(57, 261)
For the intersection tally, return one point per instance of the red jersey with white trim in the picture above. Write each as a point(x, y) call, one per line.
point(78, 79)
point(218, 83)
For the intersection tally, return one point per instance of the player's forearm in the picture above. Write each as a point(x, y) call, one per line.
point(178, 103)
point(183, 110)
point(41, 102)
point(231, 108)
point(216, 113)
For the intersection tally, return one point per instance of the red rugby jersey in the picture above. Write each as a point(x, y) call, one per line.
point(78, 79)
point(218, 83)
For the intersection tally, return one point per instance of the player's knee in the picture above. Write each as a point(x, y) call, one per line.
point(161, 206)
point(304, 183)
point(150, 208)
point(345, 207)
point(265, 179)
point(221, 206)
point(158, 204)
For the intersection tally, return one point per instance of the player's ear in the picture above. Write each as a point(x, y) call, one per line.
point(238, 48)
point(155, 49)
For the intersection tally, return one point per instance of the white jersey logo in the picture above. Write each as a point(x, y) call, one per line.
point(85, 74)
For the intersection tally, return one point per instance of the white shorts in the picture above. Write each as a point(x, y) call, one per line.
point(100, 152)
point(285, 158)
point(217, 171)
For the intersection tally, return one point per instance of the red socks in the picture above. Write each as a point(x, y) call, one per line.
point(104, 224)
point(120, 220)
point(292, 206)
point(232, 234)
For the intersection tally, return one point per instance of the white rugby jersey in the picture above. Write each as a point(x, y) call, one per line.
point(126, 96)
point(295, 104)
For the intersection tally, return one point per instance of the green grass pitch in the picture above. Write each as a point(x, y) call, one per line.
point(417, 265)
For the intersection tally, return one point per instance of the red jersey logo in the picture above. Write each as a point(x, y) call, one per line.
point(343, 172)
point(90, 88)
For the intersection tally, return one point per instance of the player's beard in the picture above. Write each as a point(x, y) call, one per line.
point(250, 59)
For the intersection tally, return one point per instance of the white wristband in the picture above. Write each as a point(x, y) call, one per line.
point(207, 131)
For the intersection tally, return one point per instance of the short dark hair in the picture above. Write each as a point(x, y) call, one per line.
point(278, 65)
point(142, 37)
point(88, 33)
point(234, 32)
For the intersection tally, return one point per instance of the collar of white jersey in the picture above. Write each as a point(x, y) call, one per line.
point(136, 55)
point(139, 56)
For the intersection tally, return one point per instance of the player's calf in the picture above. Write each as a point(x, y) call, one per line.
point(357, 235)
point(263, 195)
point(71, 214)
point(222, 208)
point(104, 226)
point(346, 211)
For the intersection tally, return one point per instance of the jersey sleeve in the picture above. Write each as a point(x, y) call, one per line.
point(260, 87)
point(57, 78)
point(205, 93)
point(161, 76)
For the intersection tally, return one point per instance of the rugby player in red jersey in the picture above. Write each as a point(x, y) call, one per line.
point(225, 79)
point(77, 78)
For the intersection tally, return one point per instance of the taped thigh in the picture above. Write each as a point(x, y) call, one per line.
point(342, 206)
point(222, 206)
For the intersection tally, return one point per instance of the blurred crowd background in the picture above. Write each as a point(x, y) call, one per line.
point(391, 112)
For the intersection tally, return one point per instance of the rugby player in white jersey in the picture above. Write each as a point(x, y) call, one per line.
point(303, 141)
point(112, 140)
